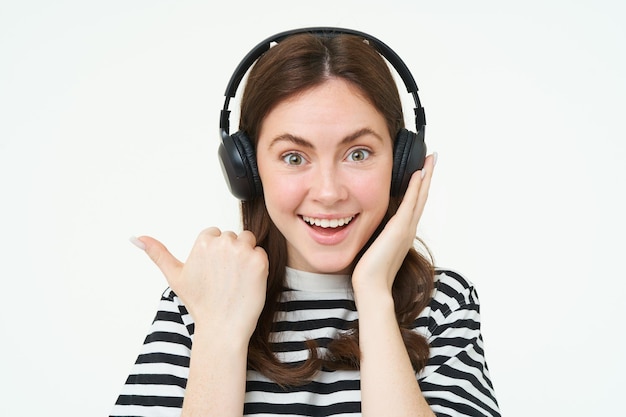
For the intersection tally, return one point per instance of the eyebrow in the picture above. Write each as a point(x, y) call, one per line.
point(287, 137)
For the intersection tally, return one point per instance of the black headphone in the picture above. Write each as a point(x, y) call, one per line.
point(237, 154)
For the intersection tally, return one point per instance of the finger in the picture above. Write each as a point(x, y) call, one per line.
point(212, 231)
point(416, 195)
point(410, 197)
point(247, 237)
point(164, 260)
point(206, 236)
point(429, 166)
point(426, 175)
point(424, 187)
point(229, 234)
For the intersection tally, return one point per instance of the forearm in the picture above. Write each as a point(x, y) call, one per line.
point(217, 377)
point(388, 383)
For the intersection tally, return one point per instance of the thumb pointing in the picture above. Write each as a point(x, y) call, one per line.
point(158, 253)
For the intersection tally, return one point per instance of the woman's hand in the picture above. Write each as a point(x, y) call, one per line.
point(377, 268)
point(222, 283)
point(388, 382)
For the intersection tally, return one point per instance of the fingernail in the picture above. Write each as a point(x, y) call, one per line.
point(435, 156)
point(137, 243)
point(423, 173)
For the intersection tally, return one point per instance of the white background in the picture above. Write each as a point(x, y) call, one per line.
point(108, 128)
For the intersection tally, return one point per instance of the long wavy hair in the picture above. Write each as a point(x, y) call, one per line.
point(296, 64)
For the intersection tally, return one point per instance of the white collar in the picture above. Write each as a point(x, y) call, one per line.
point(313, 282)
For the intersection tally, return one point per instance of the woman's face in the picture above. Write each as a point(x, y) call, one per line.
point(325, 161)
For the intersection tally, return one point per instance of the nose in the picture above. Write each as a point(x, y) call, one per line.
point(328, 185)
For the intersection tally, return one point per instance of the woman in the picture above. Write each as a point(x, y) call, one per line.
point(321, 306)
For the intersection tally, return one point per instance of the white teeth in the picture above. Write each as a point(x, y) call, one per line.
point(326, 223)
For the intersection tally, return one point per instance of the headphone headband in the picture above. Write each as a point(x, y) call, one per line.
point(237, 152)
point(394, 59)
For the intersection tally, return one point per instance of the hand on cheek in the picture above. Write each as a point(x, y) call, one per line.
point(377, 268)
point(222, 283)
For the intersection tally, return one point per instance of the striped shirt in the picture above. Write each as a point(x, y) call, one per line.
point(455, 381)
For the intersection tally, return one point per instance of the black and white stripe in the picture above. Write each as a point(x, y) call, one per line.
point(455, 381)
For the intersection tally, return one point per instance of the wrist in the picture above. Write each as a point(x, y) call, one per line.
point(220, 338)
point(380, 303)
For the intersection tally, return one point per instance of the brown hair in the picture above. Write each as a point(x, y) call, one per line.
point(296, 64)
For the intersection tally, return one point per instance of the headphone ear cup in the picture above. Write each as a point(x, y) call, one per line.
point(409, 153)
point(238, 160)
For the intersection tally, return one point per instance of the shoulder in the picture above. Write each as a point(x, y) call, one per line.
point(172, 314)
point(171, 302)
point(156, 383)
point(454, 302)
point(456, 380)
point(453, 291)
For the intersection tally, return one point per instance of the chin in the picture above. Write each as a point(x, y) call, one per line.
point(323, 259)
point(330, 266)
point(334, 271)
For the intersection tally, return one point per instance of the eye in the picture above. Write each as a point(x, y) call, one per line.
point(293, 158)
point(359, 155)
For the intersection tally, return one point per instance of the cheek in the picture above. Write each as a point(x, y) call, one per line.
point(374, 185)
point(282, 193)
point(373, 191)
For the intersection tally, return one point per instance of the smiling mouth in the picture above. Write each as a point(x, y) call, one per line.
point(328, 223)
